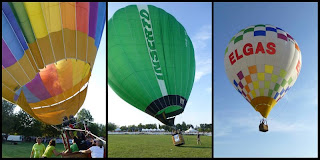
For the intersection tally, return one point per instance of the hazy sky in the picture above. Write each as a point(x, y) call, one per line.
point(96, 96)
point(197, 20)
point(293, 122)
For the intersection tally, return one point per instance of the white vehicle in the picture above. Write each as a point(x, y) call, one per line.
point(14, 138)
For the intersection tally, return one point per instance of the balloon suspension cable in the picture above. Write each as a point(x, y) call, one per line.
point(80, 130)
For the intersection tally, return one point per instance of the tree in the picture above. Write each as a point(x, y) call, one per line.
point(7, 116)
point(111, 126)
point(184, 126)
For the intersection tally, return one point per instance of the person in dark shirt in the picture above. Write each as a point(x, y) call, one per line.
point(198, 139)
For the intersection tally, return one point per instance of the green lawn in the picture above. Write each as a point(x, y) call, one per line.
point(23, 150)
point(157, 146)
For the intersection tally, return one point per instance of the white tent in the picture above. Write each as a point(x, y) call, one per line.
point(162, 130)
point(191, 130)
point(117, 130)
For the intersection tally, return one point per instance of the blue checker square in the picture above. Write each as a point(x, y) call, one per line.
point(259, 33)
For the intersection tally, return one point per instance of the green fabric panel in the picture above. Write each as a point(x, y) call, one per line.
point(130, 71)
point(274, 78)
point(260, 25)
point(283, 73)
point(248, 30)
point(225, 52)
point(283, 83)
point(276, 87)
point(239, 38)
point(270, 93)
point(232, 39)
point(290, 80)
point(23, 20)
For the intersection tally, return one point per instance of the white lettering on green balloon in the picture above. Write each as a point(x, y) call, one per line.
point(150, 42)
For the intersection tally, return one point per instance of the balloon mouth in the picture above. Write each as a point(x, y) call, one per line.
point(263, 105)
point(166, 108)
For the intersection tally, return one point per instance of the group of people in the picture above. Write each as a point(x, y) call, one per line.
point(79, 144)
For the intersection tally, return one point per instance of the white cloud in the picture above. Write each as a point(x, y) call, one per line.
point(203, 51)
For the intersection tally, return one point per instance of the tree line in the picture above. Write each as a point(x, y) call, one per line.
point(137, 128)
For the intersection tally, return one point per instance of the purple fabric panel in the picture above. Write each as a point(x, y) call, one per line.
point(240, 75)
point(37, 88)
point(281, 36)
point(240, 84)
point(7, 57)
point(93, 19)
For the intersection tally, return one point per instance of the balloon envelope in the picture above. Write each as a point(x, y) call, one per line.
point(262, 62)
point(151, 61)
point(48, 51)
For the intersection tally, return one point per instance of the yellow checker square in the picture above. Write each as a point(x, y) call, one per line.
point(261, 90)
point(261, 76)
point(253, 93)
point(255, 85)
point(267, 84)
point(268, 68)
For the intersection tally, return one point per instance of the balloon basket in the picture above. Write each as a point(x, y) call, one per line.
point(177, 139)
point(263, 127)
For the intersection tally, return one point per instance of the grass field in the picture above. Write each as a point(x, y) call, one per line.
point(157, 146)
point(23, 150)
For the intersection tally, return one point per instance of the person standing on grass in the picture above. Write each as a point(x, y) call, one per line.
point(198, 139)
point(37, 149)
point(51, 149)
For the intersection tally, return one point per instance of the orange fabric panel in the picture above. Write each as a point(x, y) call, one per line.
point(50, 80)
point(68, 15)
point(82, 10)
point(64, 69)
point(62, 96)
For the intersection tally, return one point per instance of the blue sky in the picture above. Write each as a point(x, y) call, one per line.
point(293, 122)
point(197, 20)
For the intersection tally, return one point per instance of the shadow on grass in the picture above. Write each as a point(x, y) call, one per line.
point(194, 146)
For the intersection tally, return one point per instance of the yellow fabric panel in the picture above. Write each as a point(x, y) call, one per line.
point(253, 93)
point(64, 69)
point(58, 46)
point(36, 54)
point(51, 11)
point(92, 51)
point(36, 18)
point(7, 94)
point(54, 115)
point(8, 81)
point(22, 102)
point(27, 67)
point(81, 45)
point(255, 84)
point(261, 76)
point(261, 90)
point(263, 105)
point(80, 70)
point(64, 95)
point(70, 43)
point(268, 69)
point(16, 71)
point(46, 50)
point(68, 15)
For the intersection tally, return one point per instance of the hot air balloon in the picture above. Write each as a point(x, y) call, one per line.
point(151, 62)
point(262, 62)
point(48, 51)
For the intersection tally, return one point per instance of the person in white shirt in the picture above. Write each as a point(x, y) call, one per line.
point(96, 151)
